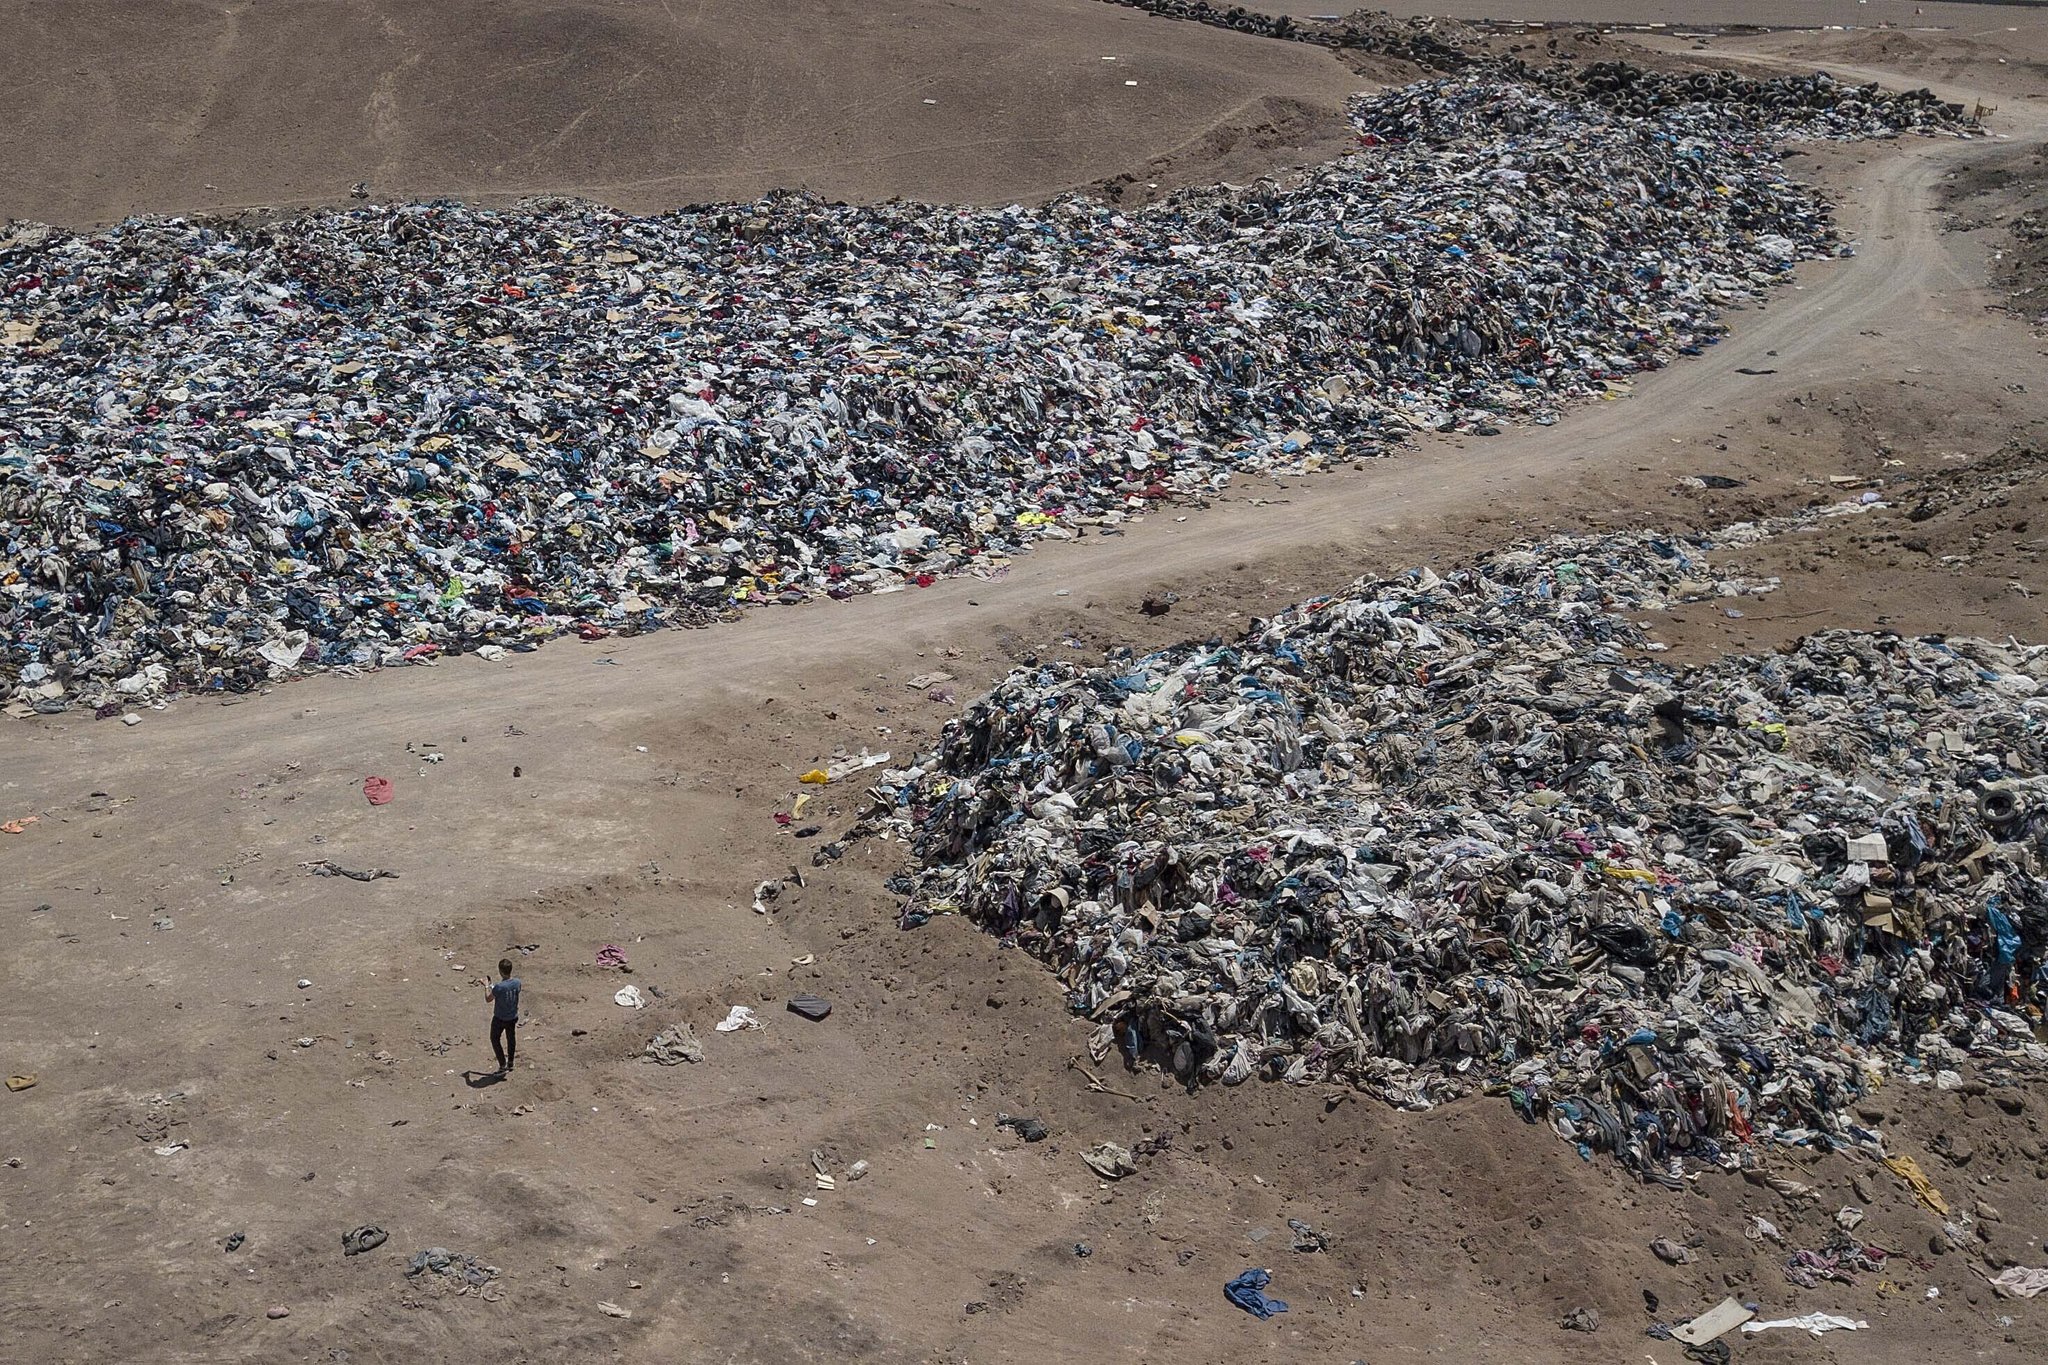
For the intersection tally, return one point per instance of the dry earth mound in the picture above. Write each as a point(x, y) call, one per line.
point(186, 105)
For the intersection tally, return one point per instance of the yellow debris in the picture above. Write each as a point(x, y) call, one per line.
point(1908, 1170)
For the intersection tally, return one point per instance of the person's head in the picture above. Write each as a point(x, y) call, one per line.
point(505, 967)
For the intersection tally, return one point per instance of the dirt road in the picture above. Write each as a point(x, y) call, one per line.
point(623, 793)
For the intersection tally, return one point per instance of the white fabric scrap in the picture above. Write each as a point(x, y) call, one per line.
point(738, 1018)
point(1815, 1323)
point(2020, 1282)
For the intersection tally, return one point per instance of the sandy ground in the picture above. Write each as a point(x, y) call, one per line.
point(623, 793)
point(1961, 19)
point(122, 106)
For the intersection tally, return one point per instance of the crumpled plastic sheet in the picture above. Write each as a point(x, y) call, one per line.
point(1442, 834)
point(237, 450)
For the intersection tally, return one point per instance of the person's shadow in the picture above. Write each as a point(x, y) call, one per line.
point(478, 1080)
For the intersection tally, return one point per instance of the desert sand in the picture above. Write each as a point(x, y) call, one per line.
point(640, 812)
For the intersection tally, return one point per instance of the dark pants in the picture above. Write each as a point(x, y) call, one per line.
point(508, 1051)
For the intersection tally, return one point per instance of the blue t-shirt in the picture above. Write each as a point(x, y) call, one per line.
point(505, 999)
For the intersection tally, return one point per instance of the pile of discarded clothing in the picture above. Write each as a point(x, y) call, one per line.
point(238, 450)
point(1443, 834)
point(1802, 106)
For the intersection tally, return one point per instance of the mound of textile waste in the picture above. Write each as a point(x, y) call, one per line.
point(238, 450)
point(1444, 834)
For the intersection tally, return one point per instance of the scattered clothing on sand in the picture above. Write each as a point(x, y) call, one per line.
point(676, 1043)
point(1247, 1292)
point(356, 1241)
point(461, 1272)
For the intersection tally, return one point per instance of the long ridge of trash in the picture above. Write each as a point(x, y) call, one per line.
point(234, 451)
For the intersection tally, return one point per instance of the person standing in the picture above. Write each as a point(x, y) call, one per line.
point(504, 994)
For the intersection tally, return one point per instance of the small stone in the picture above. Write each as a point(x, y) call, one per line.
point(1987, 1213)
point(279, 1312)
point(2011, 1101)
point(1938, 1244)
point(1870, 1113)
point(1582, 1320)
